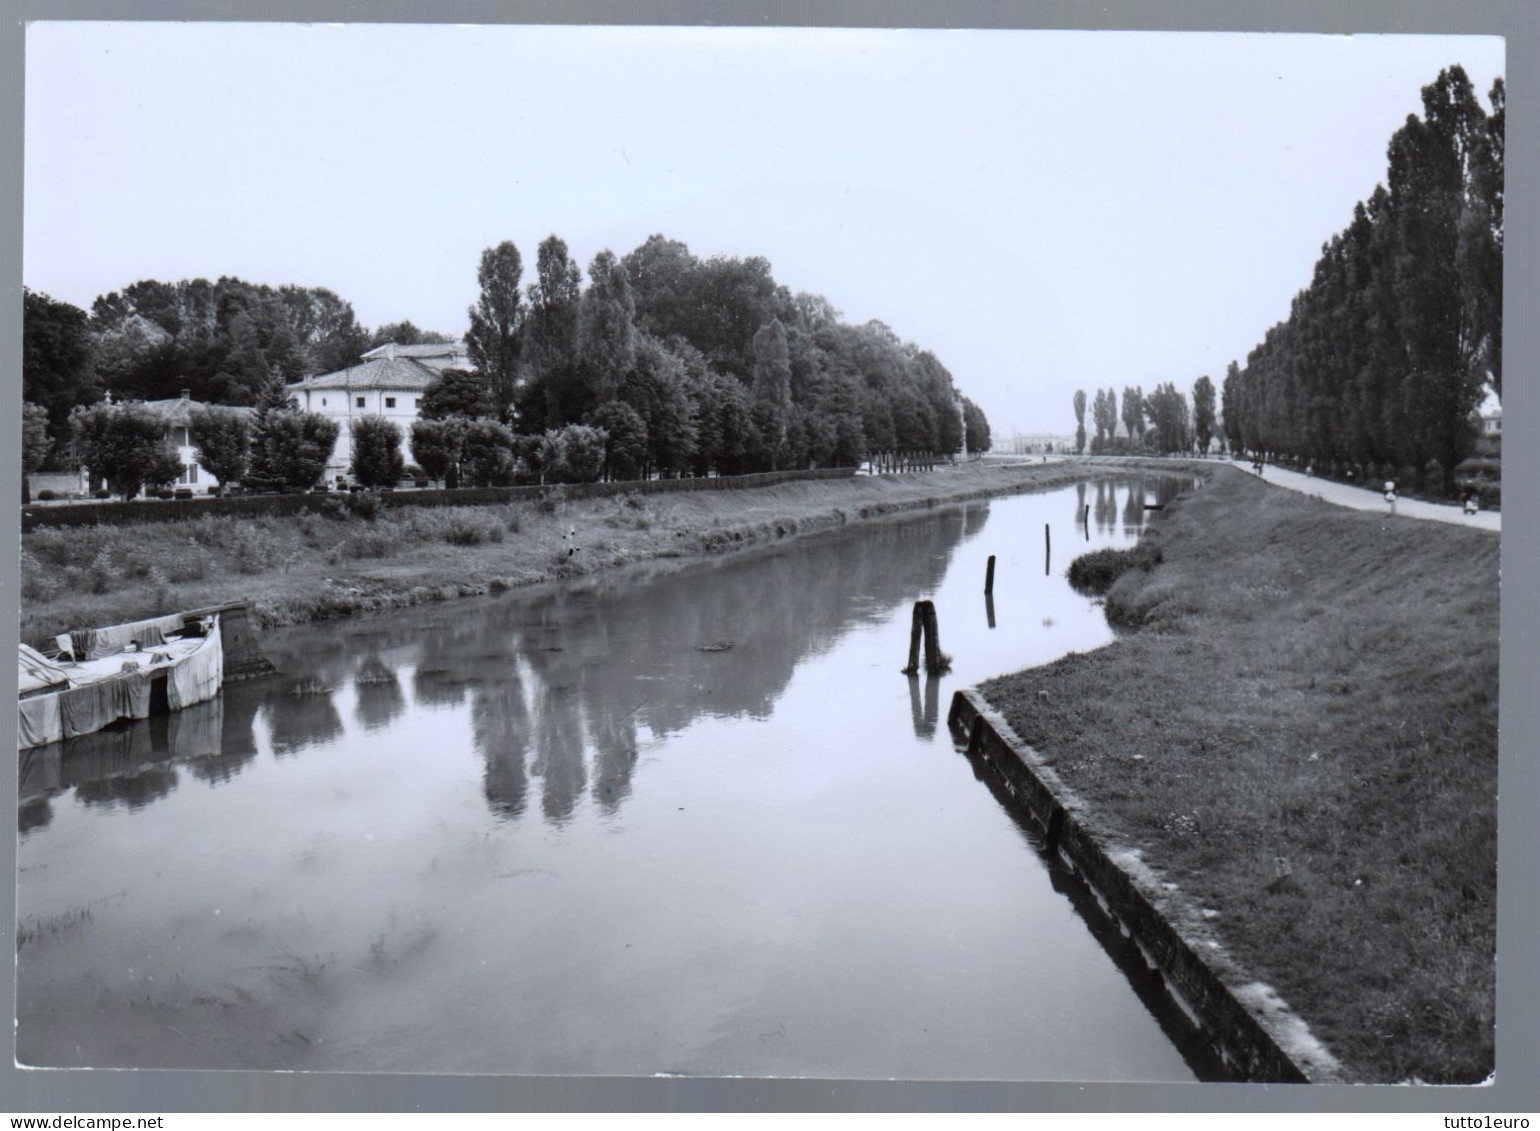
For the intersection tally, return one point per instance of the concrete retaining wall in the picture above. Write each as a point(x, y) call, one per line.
point(1250, 1028)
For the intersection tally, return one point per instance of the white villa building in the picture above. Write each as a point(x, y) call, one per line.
point(176, 414)
point(388, 381)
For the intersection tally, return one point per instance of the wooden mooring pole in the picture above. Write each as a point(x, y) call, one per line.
point(989, 576)
point(924, 624)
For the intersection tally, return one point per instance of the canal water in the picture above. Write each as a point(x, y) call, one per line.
point(688, 820)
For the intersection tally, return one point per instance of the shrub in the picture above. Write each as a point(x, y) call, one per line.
point(102, 574)
point(364, 504)
point(1095, 572)
point(377, 458)
point(370, 543)
point(126, 445)
point(251, 547)
point(574, 454)
point(487, 454)
point(471, 528)
point(38, 581)
point(47, 496)
point(221, 439)
point(187, 562)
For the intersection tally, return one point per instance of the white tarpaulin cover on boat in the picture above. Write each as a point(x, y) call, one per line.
point(199, 676)
point(35, 671)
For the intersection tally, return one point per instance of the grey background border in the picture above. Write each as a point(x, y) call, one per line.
point(1516, 1088)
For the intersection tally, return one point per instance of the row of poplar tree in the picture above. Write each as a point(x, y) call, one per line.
point(1386, 356)
point(1159, 421)
point(686, 365)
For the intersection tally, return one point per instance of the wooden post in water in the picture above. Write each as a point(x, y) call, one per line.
point(1047, 551)
point(933, 659)
point(1086, 520)
point(989, 576)
point(924, 624)
point(989, 608)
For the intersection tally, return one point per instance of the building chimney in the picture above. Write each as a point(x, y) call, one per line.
point(390, 350)
point(186, 394)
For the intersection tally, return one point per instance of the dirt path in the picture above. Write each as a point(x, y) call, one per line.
point(1363, 499)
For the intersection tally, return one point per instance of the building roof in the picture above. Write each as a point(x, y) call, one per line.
point(426, 349)
point(178, 411)
point(379, 373)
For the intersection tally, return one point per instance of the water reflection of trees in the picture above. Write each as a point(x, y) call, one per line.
point(1135, 491)
point(378, 699)
point(558, 680)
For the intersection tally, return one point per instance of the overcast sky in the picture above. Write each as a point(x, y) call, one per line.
point(1045, 211)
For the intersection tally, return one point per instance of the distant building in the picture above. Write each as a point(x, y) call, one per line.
point(1491, 415)
point(176, 414)
point(388, 381)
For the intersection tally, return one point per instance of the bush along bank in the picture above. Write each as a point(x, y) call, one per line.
point(1302, 736)
point(354, 557)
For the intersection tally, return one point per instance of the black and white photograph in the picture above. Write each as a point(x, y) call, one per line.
point(815, 553)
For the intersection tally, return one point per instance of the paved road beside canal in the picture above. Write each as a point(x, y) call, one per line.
point(1363, 499)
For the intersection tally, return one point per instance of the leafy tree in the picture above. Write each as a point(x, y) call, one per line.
point(486, 454)
point(436, 445)
point(404, 333)
point(377, 458)
point(574, 454)
point(274, 400)
point(1230, 407)
point(771, 386)
point(1167, 411)
point(457, 393)
point(625, 449)
point(35, 440)
point(550, 396)
point(296, 447)
point(289, 449)
point(221, 440)
point(1079, 421)
point(56, 359)
point(979, 439)
point(1133, 414)
point(1099, 418)
point(126, 445)
point(606, 335)
point(659, 390)
point(1203, 412)
point(496, 320)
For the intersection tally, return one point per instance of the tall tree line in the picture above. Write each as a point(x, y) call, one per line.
point(1386, 355)
point(693, 365)
point(689, 365)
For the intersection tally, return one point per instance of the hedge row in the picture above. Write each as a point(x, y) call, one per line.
point(138, 511)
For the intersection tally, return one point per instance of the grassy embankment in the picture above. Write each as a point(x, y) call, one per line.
point(309, 567)
point(1303, 733)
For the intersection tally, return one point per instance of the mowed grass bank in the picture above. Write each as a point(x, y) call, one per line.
point(1302, 733)
point(309, 567)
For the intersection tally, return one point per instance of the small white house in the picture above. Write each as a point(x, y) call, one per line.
point(388, 381)
point(177, 416)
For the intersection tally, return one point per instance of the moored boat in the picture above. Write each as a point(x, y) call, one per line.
point(126, 671)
